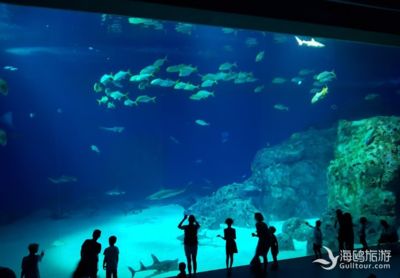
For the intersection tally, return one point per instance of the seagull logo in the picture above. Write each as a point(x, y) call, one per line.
point(324, 263)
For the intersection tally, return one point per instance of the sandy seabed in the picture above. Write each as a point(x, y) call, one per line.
point(152, 231)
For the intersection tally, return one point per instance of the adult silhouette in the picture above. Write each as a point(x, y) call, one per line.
point(190, 241)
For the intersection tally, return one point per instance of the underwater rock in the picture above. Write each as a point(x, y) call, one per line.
point(285, 242)
point(295, 228)
point(292, 175)
point(227, 201)
point(367, 164)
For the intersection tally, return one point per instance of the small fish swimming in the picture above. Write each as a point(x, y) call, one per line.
point(173, 139)
point(97, 87)
point(117, 95)
point(202, 94)
point(144, 99)
point(106, 79)
point(260, 56)
point(370, 97)
point(201, 122)
point(165, 194)
point(227, 66)
point(320, 95)
point(140, 77)
point(186, 71)
point(325, 76)
point(297, 80)
point(208, 83)
point(163, 82)
point(229, 31)
point(160, 62)
point(259, 89)
point(121, 75)
point(151, 69)
point(10, 68)
point(279, 80)
point(95, 149)
point(116, 129)
point(251, 42)
point(129, 102)
point(281, 107)
point(102, 100)
point(146, 23)
point(310, 43)
point(110, 105)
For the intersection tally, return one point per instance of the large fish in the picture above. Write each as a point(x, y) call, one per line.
point(63, 179)
point(159, 266)
point(165, 194)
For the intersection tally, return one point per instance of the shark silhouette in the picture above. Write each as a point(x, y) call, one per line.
point(158, 266)
point(323, 262)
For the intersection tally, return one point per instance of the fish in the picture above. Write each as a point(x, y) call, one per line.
point(115, 192)
point(163, 82)
point(309, 43)
point(140, 77)
point(227, 66)
point(160, 62)
point(102, 100)
point(298, 80)
point(229, 31)
point(320, 95)
point(208, 83)
point(97, 87)
point(201, 122)
point(146, 23)
point(106, 79)
point(129, 102)
point(144, 99)
point(303, 72)
point(184, 28)
point(159, 266)
point(3, 138)
point(325, 76)
point(173, 139)
point(371, 97)
point(279, 38)
point(3, 87)
point(117, 95)
point(121, 75)
point(151, 69)
point(63, 179)
point(260, 56)
point(116, 129)
point(279, 80)
point(95, 149)
point(251, 42)
point(110, 105)
point(187, 70)
point(165, 194)
point(202, 94)
point(7, 119)
point(281, 107)
point(259, 89)
point(10, 68)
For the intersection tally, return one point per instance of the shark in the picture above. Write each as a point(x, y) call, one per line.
point(158, 266)
point(310, 43)
point(165, 194)
point(116, 129)
point(63, 179)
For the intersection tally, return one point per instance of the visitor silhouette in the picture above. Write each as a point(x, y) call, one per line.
point(389, 233)
point(190, 241)
point(339, 226)
point(263, 243)
point(348, 231)
point(317, 239)
point(30, 263)
point(274, 247)
point(182, 270)
point(230, 243)
point(90, 250)
point(111, 255)
point(7, 273)
point(363, 234)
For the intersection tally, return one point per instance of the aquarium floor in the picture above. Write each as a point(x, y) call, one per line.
point(302, 267)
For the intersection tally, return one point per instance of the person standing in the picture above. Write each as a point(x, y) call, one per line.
point(90, 250)
point(190, 241)
point(317, 238)
point(111, 256)
point(30, 263)
point(263, 243)
point(362, 233)
point(230, 246)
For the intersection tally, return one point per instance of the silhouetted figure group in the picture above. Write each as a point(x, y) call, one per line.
point(91, 248)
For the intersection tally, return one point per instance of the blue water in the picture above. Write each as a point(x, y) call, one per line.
point(58, 88)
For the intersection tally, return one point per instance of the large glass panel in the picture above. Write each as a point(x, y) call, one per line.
point(126, 124)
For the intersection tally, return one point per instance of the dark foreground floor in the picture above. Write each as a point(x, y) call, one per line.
point(304, 268)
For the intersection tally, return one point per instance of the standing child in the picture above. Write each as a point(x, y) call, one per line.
point(317, 243)
point(230, 246)
point(362, 233)
point(30, 263)
point(274, 247)
point(182, 270)
point(111, 255)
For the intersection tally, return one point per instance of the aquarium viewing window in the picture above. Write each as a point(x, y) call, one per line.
point(125, 124)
